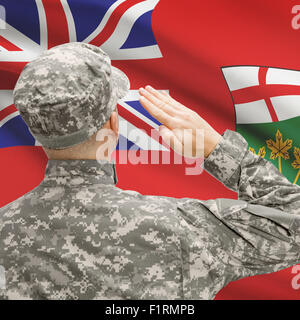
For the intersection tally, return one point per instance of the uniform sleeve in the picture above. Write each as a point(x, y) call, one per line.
point(260, 232)
point(256, 180)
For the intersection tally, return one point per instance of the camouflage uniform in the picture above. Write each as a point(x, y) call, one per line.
point(78, 236)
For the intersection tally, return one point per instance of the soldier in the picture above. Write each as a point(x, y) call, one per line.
point(78, 236)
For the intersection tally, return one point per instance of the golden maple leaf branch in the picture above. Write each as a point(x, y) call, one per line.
point(261, 151)
point(279, 148)
point(296, 163)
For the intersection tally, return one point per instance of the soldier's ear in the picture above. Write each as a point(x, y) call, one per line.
point(114, 122)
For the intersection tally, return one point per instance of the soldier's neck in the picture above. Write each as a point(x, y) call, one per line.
point(67, 154)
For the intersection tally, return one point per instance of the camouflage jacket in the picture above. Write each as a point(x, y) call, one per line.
point(78, 236)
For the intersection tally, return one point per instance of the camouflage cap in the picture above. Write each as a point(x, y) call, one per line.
point(68, 93)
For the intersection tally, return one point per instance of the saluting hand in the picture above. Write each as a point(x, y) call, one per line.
point(176, 121)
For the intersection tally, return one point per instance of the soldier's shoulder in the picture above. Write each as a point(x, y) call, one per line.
point(11, 207)
point(151, 210)
point(139, 200)
point(8, 211)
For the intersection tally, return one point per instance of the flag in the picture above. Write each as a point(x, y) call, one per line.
point(267, 113)
point(235, 64)
point(122, 28)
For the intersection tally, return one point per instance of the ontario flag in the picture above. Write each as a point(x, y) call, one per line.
point(267, 113)
point(236, 64)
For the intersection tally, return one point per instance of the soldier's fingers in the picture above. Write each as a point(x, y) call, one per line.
point(172, 101)
point(166, 94)
point(165, 97)
point(157, 102)
point(170, 139)
point(157, 113)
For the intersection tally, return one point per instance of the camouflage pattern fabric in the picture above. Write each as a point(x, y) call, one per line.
point(68, 93)
point(78, 236)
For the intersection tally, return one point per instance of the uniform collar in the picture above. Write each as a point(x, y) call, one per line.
point(76, 172)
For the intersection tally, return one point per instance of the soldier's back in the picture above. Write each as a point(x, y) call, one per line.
point(83, 238)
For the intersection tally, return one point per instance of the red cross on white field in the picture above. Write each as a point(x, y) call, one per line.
point(263, 94)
